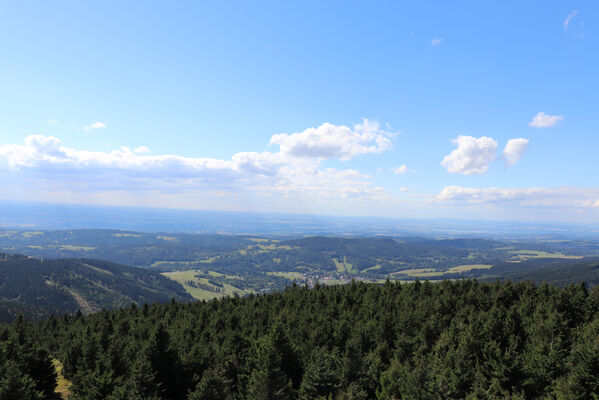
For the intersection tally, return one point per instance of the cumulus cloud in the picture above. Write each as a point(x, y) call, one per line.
point(533, 197)
point(95, 125)
point(141, 150)
point(402, 169)
point(472, 155)
point(569, 18)
point(514, 150)
point(295, 170)
point(437, 41)
point(334, 141)
point(542, 120)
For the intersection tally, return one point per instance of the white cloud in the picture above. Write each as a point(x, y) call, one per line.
point(402, 169)
point(542, 120)
point(472, 156)
point(514, 150)
point(569, 18)
point(530, 197)
point(293, 171)
point(437, 41)
point(404, 189)
point(333, 141)
point(141, 150)
point(596, 204)
point(53, 121)
point(95, 125)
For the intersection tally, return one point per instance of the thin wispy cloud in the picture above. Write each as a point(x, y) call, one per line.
point(53, 121)
point(95, 125)
point(542, 120)
point(569, 18)
point(527, 197)
point(575, 30)
point(437, 41)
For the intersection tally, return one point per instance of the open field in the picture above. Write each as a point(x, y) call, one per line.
point(29, 234)
point(466, 268)
point(259, 240)
point(527, 254)
point(168, 238)
point(76, 248)
point(420, 272)
point(183, 277)
point(344, 266)
point(287, 274)
point(375, 268)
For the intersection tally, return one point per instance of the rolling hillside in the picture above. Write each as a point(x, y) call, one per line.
point(37, 287)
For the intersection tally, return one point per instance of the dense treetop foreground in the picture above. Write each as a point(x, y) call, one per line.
point(461, 339)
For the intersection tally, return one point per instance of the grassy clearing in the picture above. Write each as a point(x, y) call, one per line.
point(259, 240)
point(202, 294)
point(288, 274)
point(376, 267)
point(63, 387)
point(274, 246)
point(420, 272)
point(207, 260)
point(263, 248)
point(527, 254)
point(31, 233)
point(344, 266)
point(466, 268)
point(167, 238)
point(76, 248)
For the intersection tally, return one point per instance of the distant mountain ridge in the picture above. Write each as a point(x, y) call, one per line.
point(39, 287)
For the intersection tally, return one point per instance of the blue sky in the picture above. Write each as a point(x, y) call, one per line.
point(388, 108)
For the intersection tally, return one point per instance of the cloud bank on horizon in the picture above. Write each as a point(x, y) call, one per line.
point(297, 170)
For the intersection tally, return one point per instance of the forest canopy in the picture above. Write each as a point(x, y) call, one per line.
point(460, 339)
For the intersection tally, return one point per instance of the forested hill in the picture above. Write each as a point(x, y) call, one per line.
point(451, 340)
point(39, 287)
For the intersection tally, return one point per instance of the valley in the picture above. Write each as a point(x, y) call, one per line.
point(208, 266)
